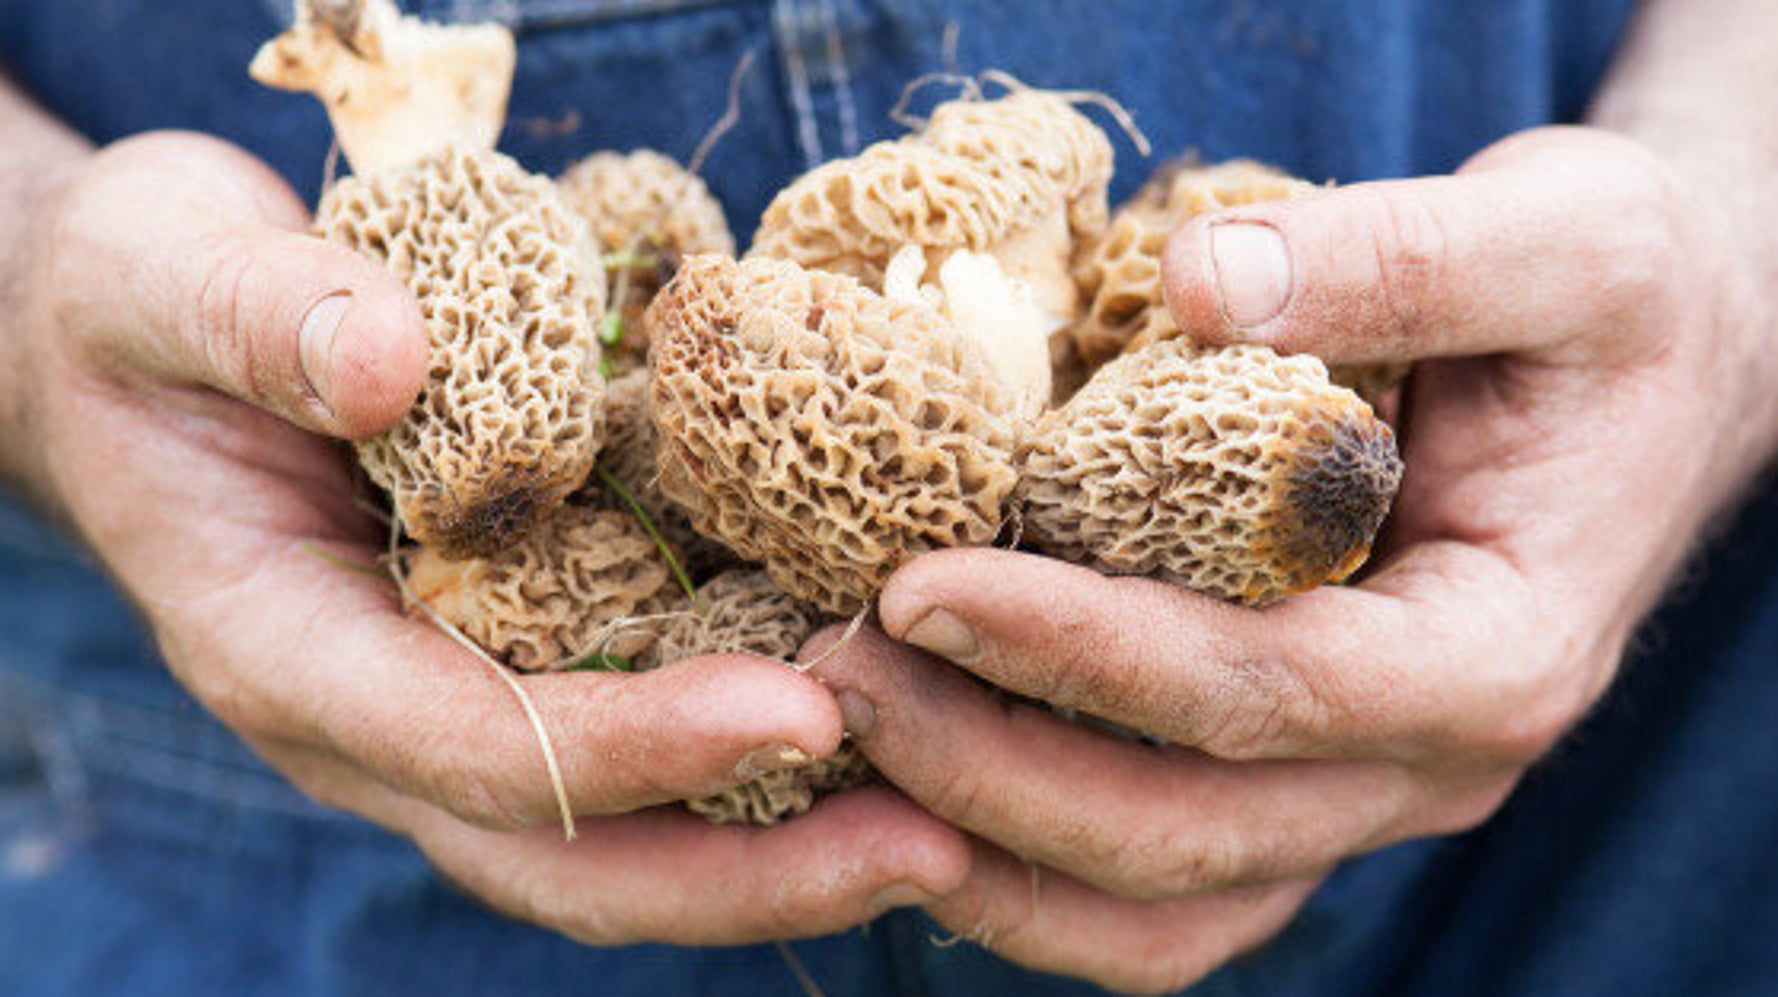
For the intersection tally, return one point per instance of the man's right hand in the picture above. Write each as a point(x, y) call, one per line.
point(180, 353)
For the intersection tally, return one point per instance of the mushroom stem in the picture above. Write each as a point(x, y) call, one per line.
point(396, 89)
point(987, 305)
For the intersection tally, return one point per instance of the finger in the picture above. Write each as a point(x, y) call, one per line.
point(1133, 819)
point(1538, 244)
point(1052, 923)
point(667, 876)
point(1388, 670)
point(213, 287)
point(404, 702)
point(664, 875)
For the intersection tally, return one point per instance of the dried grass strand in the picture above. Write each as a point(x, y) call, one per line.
point(804, 978)
point(899, 113)
point(610, 632)
point(731, 114)
point(1104, 101)
point(557, 785)
point(852, 629)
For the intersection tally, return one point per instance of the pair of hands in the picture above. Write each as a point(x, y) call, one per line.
point(1590, 390)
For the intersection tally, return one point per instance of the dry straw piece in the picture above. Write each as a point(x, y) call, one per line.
point(1233, 472)
point(508, 278)
point(822, 429)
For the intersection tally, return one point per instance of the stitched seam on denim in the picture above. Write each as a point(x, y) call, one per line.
point(840, 77)
point(786, 18)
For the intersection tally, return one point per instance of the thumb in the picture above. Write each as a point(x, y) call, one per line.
point(181, 261)
point(313, 332)
point(1526, 249)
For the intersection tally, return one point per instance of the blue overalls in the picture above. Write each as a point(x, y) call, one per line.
point(144, 850)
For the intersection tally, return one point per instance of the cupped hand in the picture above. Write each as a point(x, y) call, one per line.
point(1591, 388)
point(190, 351)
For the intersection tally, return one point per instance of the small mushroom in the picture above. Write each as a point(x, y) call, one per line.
point(556, 593)
point(648, 212)
point(991, 196)
point(743, 612)
point(1234, 472)
point(507, 277)
point(822, 429)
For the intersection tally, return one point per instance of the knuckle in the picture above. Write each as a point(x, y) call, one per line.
point(595, 925)
point(1261, 706)
point(1412, 244)
point(468, 789)
point(484, 802)
point(1188, 867)
point(1165, 973)
point(204, 669)
point(957, 796)
point(1535, 715)
point(222, 334)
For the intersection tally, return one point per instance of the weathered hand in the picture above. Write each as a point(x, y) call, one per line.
point(188, 350)
point(1591, 389)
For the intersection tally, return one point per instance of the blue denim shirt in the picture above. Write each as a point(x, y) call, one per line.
point(144, 850)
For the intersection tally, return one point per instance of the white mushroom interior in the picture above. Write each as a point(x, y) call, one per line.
point(988, 306)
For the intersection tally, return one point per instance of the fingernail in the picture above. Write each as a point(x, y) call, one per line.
point(315, 341)
point(858, 713)
point(771, 758)
point(944, 635)
point(1252, 272)
point(899, 895)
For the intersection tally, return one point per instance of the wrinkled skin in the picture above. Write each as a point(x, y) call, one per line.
point(177, 356)
point(1593, 327)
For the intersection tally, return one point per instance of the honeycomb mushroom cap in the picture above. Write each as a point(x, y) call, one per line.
point(1020, 176)
point(774, 796)
point(631, 455)
point(821, 429)
point(509, 282)
point(744, 612)
point(644, 202)
point(549, 597)
point(1234, 472)
point(646, 198)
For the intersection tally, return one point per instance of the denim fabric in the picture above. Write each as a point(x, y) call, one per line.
point(144, 850)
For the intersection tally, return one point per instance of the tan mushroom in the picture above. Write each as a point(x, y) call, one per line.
point(567, 590)
point(822, 429)
point(647, 212)
point(743, 612)
point(506, 275)
point(631, 455)
point(989, 198)
point(1233, 472)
